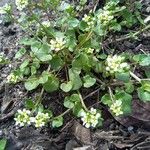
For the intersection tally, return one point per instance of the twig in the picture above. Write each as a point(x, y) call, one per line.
point(128, 36)
point(89, 95)
point(95, 6)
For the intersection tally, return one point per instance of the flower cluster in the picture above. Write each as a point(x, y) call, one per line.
point(12, 78)
point(116, 107)
point(115, 64)
point(90, 118)
point(90, 22)
point(105, 17)
point(21, 4)
point(24, 117)
point(57, 44)
point(46, 24)
point(5, 9)
point(40, 119)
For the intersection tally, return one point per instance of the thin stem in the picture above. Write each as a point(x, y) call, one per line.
point(128, 36)
point(135, 77)
point(85, 40)
point(42, 91)
point(65, 112)
point(111, 94)
point(82, 102)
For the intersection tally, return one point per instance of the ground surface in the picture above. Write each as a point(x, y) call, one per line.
point(131, 133)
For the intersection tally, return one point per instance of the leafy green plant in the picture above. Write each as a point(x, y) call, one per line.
point(71, 44)
point(3, 144)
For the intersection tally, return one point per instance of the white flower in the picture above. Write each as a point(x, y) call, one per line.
point(41, 119)
point(116, 107)
point(115, 64)
point(86, 18)
point(90, 118)
point(23, 117)
point(90, 22)
point(12, 78)
point(105, 17)
point(57, 44)
point(21, 4)
point(46, 24)
point(6, 8)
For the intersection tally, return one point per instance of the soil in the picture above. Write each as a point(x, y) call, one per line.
point(127, 133)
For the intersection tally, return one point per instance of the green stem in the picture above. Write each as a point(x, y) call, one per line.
point(111, 94)
point(84, 40)
point(82, 102)
point(42, 91)
point(65, 112)
point(135, 77)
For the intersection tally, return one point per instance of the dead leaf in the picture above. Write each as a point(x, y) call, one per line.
point(140, 115)
point(81, 133)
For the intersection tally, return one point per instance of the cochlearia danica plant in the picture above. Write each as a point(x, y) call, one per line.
point(65, 38)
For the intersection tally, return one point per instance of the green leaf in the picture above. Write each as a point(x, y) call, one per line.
point(139, 57)
point(42, 52)
point(33, 70)
point(73, 22)
point(57, 122)
point(77, 109)
point(83, 25)
point(82, 62)
point(3, 144)
point(75, 79)
point(145, 61)
point(66, 87)
point(147, 72)
point(123, 76)
point(20, 53)
point(106, 100)
point(44, 77)
point(126, 101)
point(146, 85)
point(68, 103)
point(52, 84)
point(143, 95)
point(88, 81)
point(29, 104)
point(27, 41)
point(24, 64)
point(71, 40)
point(71, 101)
point(99, 67)
point(129, 87)
point(56, 63)
point(31, 83)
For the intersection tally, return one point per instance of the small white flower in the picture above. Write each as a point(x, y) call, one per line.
point(41, 119)
point(21, 4)
point(105, 17)
point(23, 117)
point(116, 107)
point(6, 8)
point(86, 18)
point(90, 22)
point(57, 44)
point(90, 118)
point(12, 78)
point(46, 24)
point(115, 64)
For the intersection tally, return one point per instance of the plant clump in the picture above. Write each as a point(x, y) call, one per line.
point(68, 50)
